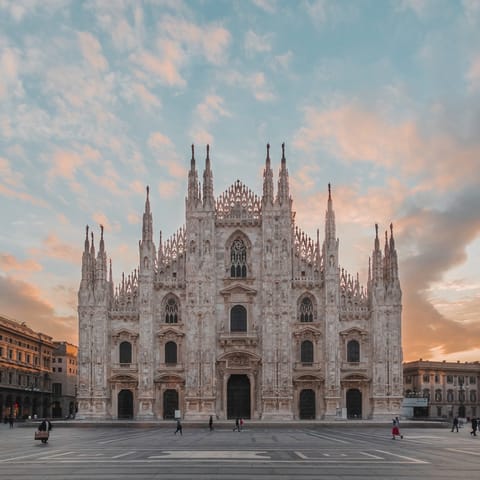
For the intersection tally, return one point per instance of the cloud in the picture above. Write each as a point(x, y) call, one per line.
point(269, 6)
point(20, 9)
point(354, 134)
point(64, 165)
point(24, 302)
point(473, 75)
point(9, 263)
point(101, 219)
point(158, 140)
point(257, 43)
point(10, 83)
point(92, 51)
point(419, 7)
point(211, 109)
point(148, 99)
point(52, 247)
point(283, 61)
point(255, 82)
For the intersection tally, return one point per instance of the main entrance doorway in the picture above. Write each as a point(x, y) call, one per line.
point(354, 403)
point(125, 404)
point(307, 405)
point(238, 397)
point(170, 403)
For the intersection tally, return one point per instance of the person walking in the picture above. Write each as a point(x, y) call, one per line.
point(395, 430)
point(179, 427)
point(11, 420)
point(237, 425)
point(45, 426)
point(474, 427)
point(455, 424)
point(210, 423)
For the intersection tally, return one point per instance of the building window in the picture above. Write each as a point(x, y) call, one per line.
point(125, 352)
point(408, 379)
point(54, 369)
point(439, 411)
point(449, 378)
point(306, 310)
point(426, 378)
point(60, 370)
point(59, 360)
point(450, 396)
point(171, 353)
point(437, 378)
point(473, 381)
point(473, 396)
point(438, 395)
point(238, 259)
point(57, 389)
point(238, 319)
point(171, 311)
point(1, 351)
point(306, 352)
point(353, 351)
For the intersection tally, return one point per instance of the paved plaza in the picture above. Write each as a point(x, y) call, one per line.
point(258, 452)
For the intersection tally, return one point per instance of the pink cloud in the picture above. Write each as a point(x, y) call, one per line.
point(101, 219)
point(148, 99)
point(158, 140)
point(52, 247)
point(255, 82)
point(166, 68)
point(473, 74)
point(65, 164)
point(26, 197)
point(92, 51)
point(212, 108)
point(9, 263)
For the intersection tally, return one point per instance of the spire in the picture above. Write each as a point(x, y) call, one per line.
point(193, 195)
point(86, 263)
point(102, 243)
point(87, 246)
point(283, 195)
point(330, 234)
point(208, 182)
point(160, 250)
point(147, 230)
point(392, 241)
point(377, 241)
point(110, 276)
point(377, 274)
point(267, 180)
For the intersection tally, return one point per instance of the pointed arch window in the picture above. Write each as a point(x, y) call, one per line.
point(238, 259)
point(353, 351)
point(171, 353)
point(238, 319)
point(125, 352)
point(306, 352)
point(306, 310)
point(171, 311)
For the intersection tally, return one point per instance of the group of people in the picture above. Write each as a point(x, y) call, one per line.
point(475, 425)
point(238, 425)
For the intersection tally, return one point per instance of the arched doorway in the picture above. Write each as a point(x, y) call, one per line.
point(307, 405)
point(170, 403)
point(56, 410)
point(461, 411)
point(238, 397)
point(354, 403)
point(125, 404)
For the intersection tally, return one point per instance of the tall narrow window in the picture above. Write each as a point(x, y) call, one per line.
point(125, 352)
point(238, 319)
point(306, 310)
point(306, 352)
point(171, 353)
point(238, 259)
point(171, 311)
point(353, 351)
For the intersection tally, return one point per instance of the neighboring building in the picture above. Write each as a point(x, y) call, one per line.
point(240, 314)
point(450, 388)
point(25, 366)
point(64, 380)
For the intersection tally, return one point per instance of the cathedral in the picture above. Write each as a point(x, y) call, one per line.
point(240, 314)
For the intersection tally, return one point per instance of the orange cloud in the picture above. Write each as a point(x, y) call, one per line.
point(64, 165)
point(52, 247)
point(165, 68)
point(148, 99)
point(92, 51)
point(9, 263)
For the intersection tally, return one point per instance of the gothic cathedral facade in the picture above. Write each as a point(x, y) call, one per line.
point(240, 314)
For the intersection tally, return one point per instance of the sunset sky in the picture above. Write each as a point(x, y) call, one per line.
point(380, 98)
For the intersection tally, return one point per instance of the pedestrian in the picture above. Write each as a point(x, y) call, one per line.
point(455, 424)
point(395, 430)
point(241, 424)
point(474, 427)
point(237, 425)
point(179, 427)
point(11, 420)
point(45, 426)
point(210, 423)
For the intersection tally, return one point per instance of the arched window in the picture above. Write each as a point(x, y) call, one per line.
point(238, 259)
point(238, 319)
point(306, 352)
point(426, 394)
point(171, 353)
point(125, 352)
point(473, 396)
point(306, 310)
point(450, 396)
point(438, 395)
point(171, 311)
point(353, 351)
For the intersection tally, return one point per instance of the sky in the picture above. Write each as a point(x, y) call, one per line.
point(379, 98)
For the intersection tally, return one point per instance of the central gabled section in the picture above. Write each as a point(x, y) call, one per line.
point(238, 205)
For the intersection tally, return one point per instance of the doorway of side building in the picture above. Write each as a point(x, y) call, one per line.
point(125, 404)
point(307, 405)
point(238, 397)
point(170, 403)
point(354, 403)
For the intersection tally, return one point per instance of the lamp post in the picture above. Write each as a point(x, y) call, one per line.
point(462, 390)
